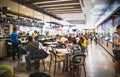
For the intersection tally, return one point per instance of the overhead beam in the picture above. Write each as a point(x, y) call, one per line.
point(21, 15)
point(44, 1)
point(56, 5)
point(34, 7)
point(67, 11)
point(52, 2)
point(77, 5)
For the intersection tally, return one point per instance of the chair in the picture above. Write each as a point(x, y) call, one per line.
point(75, 63)
point(56, 58)
point(39, 74)
point(8, 68)
point(35, 61)
point(76, 49)
point(39, 60)
point(9, 48)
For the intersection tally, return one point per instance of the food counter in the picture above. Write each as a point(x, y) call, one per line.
point(3, 52)
point(4, 45)
point(107, 45)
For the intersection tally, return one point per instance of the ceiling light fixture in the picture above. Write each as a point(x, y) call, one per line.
point(26, 14)
point(23, 7)
point(92, 1)
point(63, 12)
point(61, 8)
point(97, 13)
point(67, 10)
point(8, 8)
point(51, 1)
point(100, 6)
point(59, 5)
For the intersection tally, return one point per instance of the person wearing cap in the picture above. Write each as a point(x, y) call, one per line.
point(63, 41)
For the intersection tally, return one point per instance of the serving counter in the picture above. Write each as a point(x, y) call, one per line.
point(108, 46)
point(4, 45)
point(3, 52)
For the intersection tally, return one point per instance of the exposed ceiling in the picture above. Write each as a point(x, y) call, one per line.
point(63, 9)
point(59, 6)
point(73, 11)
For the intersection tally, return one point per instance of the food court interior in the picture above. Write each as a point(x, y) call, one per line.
point(47, 21)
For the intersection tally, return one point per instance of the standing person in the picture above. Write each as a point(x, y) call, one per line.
point(116, 50)
point(96, 38)
point(69, 38)
point(77, 39)
point(91, 37)
point(57, 38)
point(14, 40)
point(36, 38)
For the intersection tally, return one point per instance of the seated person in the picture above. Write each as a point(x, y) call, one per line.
point(63, 41)
point(33, 48)
point(37, 37)
point(75, 48)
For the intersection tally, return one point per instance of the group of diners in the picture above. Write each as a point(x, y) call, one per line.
point(74, 45)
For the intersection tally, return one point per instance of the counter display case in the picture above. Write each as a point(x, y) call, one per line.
point(105, 39)
point(5, 31)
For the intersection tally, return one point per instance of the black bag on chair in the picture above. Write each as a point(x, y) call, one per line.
point(116, 55)
point(22, 50)
point(42, 54)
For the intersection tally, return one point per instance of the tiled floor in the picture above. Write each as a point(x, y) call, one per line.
point(98, 64)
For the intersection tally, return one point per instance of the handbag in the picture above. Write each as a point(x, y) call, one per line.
point(41, 54)
point(116, 54)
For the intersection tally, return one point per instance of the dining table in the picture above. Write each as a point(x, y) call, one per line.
point(66, 52)
point(50, 43)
